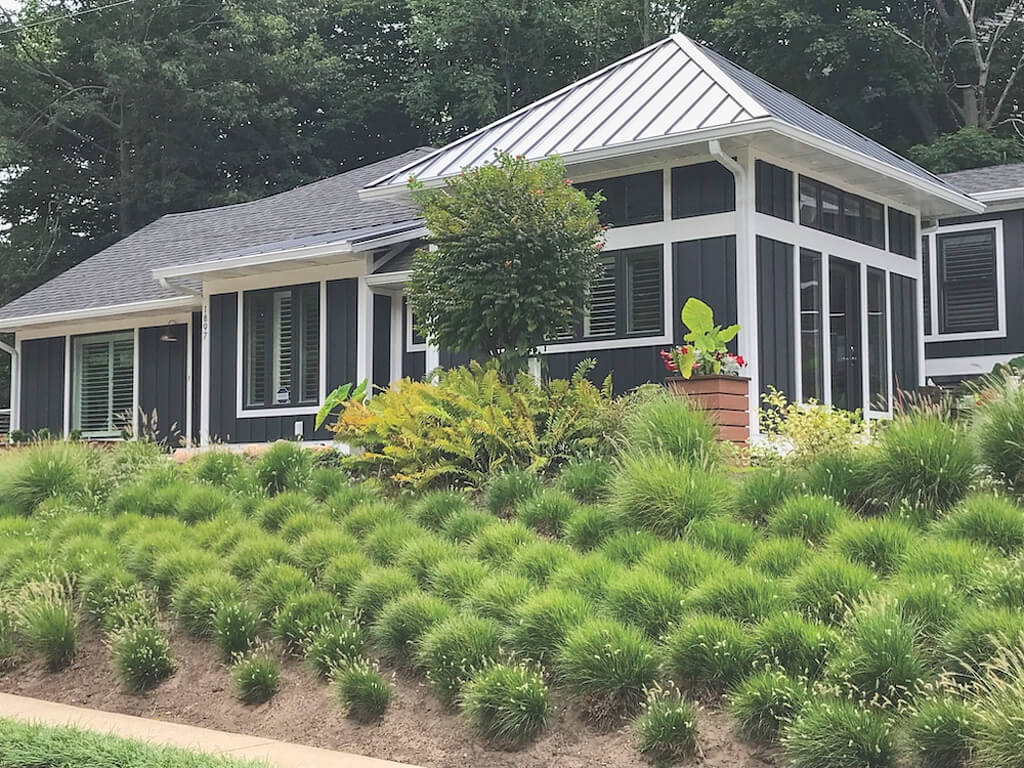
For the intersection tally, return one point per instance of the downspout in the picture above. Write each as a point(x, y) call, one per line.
point(15, 386)
point(746, 274)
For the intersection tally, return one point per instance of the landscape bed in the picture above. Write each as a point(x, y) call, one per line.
point(854, 604)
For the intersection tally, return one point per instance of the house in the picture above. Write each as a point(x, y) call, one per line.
point(973, 270)
point(232, 323)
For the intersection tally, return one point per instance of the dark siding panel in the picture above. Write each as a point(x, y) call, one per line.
point(341, 332)
point(197, 374)
point(401, 261)
point(774, 190)
point(629, 367)
point(901, 233)
point(775, 333)
point(705, 269)
point(42, 385)
point(162, 381)
point(381, 340)
point(414, 365)
point(905, 374)
point(449, 359)
point(700, 189)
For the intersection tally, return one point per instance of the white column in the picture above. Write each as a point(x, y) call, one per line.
point(16, 384)
point(188, 381)
point(67, 384)
point(919, 300)
point(746, 281)
point(364, 330)
point(397, 328)
point(204, 375)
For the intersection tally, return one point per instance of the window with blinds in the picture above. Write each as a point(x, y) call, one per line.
point(103, 389)
point(281, 336)
point(967, 281)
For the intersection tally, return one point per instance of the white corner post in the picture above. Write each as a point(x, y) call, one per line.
point(397, 331)
point(364, 326)
point(204, 375)
point(919, 304)
point(15, 414)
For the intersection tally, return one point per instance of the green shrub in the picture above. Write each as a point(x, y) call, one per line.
point(540, 623)
point(879, 662)
point(925, 460)
point(507, 490)
point(216, 466)
point(827, 588)
point(954, 559)
point(236, 629)
point(685, 563)
point(348, 497)
point(434, 508)
point(48, 470)
point(46, 622)
point(507, 705)
point(763, 491)
point(453, 651)
point(343, 572)
point(589, 526)
point(325, 482)
point(798, 647)
point(839, 734)
point(222, 535)
point(498, 543)
point(537, 561)
point(721, 534)
point(365, 517)
point(147, 498)
point(303, 616)
point(254, 552)
point(257, 678)
point(362, 692)
point(104, 588)
point(140, 609)
point(588, 575)
point(811, 518)
point(1000, 710)
point(999, 434)
point(272, 513)
point(942, 732)
point(977, 637)
point(462, 526)
point(1001, 584)
point(846, 476)
point(274, 584)
point(385, 541)
point(662, 495)
point(140, 551)
point(79, 554)
point(629, 547)
point(667, 729)
point(404, 620)
point(766, 701)
point(707, 652)
point(608, 665)
point(303, 522)
point(285, 466)
point(931, 603)
point(737, 594)
point(990, 521)
point(497, 596)
point(196, 599)
point(334, 646)
point(778, 557)
point(670, 425)
point(586, 480)
point(421, 555)
point(172, 568)
point(547, 511)
point(375, 588)
point(880, 544)
point(201, 502)
point(141, 656)
point(454, 578)
point(645, 599)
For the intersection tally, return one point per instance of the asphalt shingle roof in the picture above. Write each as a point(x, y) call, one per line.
point(990, 179)
point(122, 273)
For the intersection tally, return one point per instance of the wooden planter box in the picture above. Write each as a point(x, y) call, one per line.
point(724, 398)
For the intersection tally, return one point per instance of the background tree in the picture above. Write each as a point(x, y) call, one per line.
point(514, 249)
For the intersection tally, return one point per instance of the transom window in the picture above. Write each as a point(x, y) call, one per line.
point(103, 384)
point(635, 199)
point(281, 332)
point(961, 278)
point(832, 210)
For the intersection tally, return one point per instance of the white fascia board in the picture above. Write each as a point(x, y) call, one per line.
point(153, 305)
point(1000, 195)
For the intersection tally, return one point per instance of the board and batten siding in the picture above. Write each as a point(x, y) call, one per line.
point(381, 378)
point(339, 346)
point(903, 306)
point(42, 385)
point(775, 312)
point(162, 373)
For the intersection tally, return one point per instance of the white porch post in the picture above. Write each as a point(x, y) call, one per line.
point(919, 305)
point(15, 355)
point(204, 375)
point(397, 329)
point(364, 327)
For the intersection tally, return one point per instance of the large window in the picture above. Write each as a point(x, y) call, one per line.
point(635, 199)
point(811, 338)
point(282, 347)
point(103, 384)
point(841, 213)
point(962, 265)
point(878, 348)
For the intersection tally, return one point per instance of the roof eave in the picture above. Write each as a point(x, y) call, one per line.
point(1000, 195)
point(12, 324)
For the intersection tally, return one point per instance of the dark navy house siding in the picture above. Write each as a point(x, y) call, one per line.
point(905, 374)
point(163, 381)
point(775, 329)
point(42, 384)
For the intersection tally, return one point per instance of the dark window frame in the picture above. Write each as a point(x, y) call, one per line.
point(843, 199)
point(300, 294)
point(617, 193)
point(878, 380)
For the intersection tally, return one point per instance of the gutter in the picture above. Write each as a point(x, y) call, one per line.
point(153, 305)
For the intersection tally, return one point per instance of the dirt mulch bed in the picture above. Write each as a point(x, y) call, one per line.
point(416, 729)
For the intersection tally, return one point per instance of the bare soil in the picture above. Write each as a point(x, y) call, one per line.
point(416, 729)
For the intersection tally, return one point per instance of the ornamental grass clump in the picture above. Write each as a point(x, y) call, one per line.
point(383, 542)
point(738, 594)
point(846, 476)
point(765, 702)
point(1001, 584)
point(298, 524)
point(419, 556)
point(497, 596)
point(365, 517)
point(404, 620)
point(373, 591)
point(434, 508)
point(540, 624)
point(839, 733)
point(537, 561)
point(303, 616)
point(987, 520)
point(811, 518)
point(778, 557)
point(325, 481)
point(763, 491)
point(236, 628)
point(334, 646)
point(255, 551)
point(141, 609)
point(957, 560)
point(141, 656)
point(172, 568)
point(362, 691)
point(507, 490)
point(273, 512)
point(999, 434)
point(507, 704)
point(976, 638)
point(798, 647)
point(454, 578)
point(201, 502)
point(456, 649)
point(659, 493)
point(285, 466)
point(609, 666)
point(931, 603)
point(216, 466)
point(667, 424)
point(646, 600)
point(589, 576)
point(347, 497)
point(274, 584)
point(707, 653)
point(826, 588)
point(880, 544)
point(105, 587)
point(47, 470)
point(498, 543)
point(999, 737)
point(45, 620)
point(586, 480)
point(629, 547)
point(343, 572)
point(942, 732)
point(547, 511)
point(722, 534)
point(462, 526)
point(588, 527)
point(666, 730)
point(257, 677)
point(685, 563)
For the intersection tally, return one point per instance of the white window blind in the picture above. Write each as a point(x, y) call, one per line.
point(104, 381)
point(282, 347)
point(600, 318)
point(967, 281)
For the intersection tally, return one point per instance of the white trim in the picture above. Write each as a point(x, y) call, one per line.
point(306, 275)
point(919, 308)
point(385, 279)
point(397, 353)
point(865, 349)
point(671, 230)
point(1000, 195)
point(16, 384)
point(204, 375)
point(189, 353)
point(136, 416)
point(68, 375)
point(73, 316)
point(364, 328)
point(409, 345)
point(933, 260)
point(826, 328)
point(966, 366)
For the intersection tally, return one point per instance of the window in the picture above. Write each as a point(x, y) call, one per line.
point(926, 283)
point(811, 346)
point(901, 233)
point(773, 190)
point(878, 350)
point(414, 340)
point(702, 189)
point(103, 389)
point(635, 199)
point(841, 213)
point(627, 299)
point(282, 347)
point(966, 281)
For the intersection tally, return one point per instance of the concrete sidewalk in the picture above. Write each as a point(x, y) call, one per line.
point(277, 753)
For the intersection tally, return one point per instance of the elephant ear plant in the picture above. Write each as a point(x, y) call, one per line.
point(706, 353)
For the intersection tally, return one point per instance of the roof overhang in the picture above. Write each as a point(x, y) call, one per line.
point(1001, 199)
point(11, 324)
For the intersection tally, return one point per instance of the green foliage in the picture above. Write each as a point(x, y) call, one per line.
point(456, 649)
point(880, 544)
point(999, 434)
point(335, 646)
point(684, 563)
point(254, 552)
point(236, 629)
point(707, 652)
point(216, 466)
point(274, 584)
point(668, 424)
point(273, 512)
point(987, 520)
point(839, 734)
point(629, 547)
point(811, 518)
point(766, 701)
point(375, 588)
point(141, 656)
point(778, 557)
point(976, 638)
point(196, 599)
point(646, 600)
point(348, 497)
point(302, 523)
point(737, 594)
point(454, 578)
point(539, 560)
point(284, 466)
point(343, 572)
point(722, 534)
point(930, 602)
point(363, 518)
point(498, 543)
point(419, 556)
point(385, 541)
point(541, 623)
point(338, 397)
point(47, 470)
point(666, 729)
point(547, 512)
point(303, 616)
point(434, 508)
point(460, 288)
point(803, 432)
point(954, 559)
point(404, 620)
point(798, 647)
point(463, 526)
point(764, 490)
point(507, 705)
point(589, 526)
point(586, 479)
point(506, 491)
point(942, 732)
point(324, 482)
point(256, 677)
point(608, 665)
point(497, 596)
point(105, 587)
point(171, 568)
point(968, 147)
point(45, 620)
point(362, 692)
point(590, 575)
point(1000, 710)
point(200, 503)
point(828, 587)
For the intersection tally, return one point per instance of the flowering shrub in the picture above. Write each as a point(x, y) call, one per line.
point(803, 431)
point(706, 354)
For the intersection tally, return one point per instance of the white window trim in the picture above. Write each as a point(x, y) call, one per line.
point(72, 381)
point(241, 412)
point(933, 285)
point(409, 345)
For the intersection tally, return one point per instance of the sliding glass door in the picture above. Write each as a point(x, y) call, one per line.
point(845, 334)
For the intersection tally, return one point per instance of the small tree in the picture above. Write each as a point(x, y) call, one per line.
point(514, 249)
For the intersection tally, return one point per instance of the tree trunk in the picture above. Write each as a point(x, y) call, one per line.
point(970, 105)
point(123, 224)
